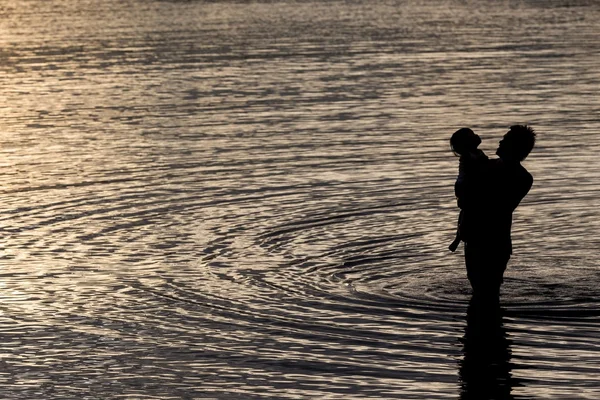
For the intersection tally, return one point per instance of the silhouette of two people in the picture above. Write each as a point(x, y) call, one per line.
point(488, 191)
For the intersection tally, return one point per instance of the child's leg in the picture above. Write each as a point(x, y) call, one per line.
point(454, 245)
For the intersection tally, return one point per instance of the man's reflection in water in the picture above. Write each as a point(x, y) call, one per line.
point(485, 368)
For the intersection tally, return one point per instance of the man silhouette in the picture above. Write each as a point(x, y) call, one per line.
point(490, 201)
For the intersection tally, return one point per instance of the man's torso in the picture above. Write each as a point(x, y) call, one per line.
point(491, 202)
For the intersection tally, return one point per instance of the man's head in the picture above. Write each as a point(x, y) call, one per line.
point(517, 143)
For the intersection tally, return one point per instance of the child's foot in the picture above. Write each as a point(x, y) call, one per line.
point(454, 245)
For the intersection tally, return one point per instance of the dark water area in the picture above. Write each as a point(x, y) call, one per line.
point(253, 200)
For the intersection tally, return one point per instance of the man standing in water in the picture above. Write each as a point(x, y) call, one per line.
point(490, 201)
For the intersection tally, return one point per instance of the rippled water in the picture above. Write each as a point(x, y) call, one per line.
point(248, 200)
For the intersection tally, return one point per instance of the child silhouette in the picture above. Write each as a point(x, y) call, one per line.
point(464, 143)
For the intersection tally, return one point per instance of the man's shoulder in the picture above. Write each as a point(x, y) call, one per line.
point(526, 176)
point(510, 174)
point(511, 169)
point(495, 167)
point(522, 179)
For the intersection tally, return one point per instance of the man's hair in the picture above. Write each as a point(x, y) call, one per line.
point(522, 138)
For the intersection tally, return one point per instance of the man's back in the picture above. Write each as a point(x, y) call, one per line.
point(495, 197)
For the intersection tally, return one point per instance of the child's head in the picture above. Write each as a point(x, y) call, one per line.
point(464, 141)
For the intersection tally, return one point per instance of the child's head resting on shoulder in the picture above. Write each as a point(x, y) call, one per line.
point(464, 141)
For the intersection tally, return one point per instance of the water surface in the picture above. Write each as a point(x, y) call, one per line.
point(249, 200)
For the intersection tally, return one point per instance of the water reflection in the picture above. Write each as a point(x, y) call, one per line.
point(485, 371)
point(217, 199)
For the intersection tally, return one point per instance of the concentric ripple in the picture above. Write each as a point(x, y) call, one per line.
point(251, 200)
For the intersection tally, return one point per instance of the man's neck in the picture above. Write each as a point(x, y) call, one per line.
point(510, 162)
